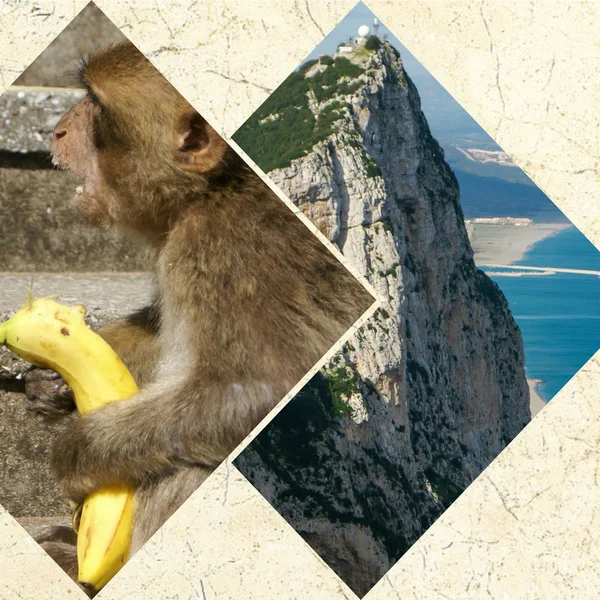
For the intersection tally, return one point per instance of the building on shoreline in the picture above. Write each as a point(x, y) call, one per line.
point(518, 221)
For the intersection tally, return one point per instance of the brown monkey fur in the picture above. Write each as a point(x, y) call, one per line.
point(248, 299)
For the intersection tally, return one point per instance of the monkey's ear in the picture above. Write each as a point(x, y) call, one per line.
point(199, 147)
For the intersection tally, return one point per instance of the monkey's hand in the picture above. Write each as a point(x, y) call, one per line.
point(164, 427)
point(134, 340)
point(47, 394)
point(106, 446)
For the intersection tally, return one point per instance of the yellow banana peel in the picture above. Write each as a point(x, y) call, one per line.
point(51, 335)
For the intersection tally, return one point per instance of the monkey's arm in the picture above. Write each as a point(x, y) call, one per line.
point(133, 338)
point(163, 427)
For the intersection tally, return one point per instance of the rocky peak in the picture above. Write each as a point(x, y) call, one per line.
point(432, 387)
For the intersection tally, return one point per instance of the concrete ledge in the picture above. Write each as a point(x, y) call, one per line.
point(87, 32)
point(40, 230)
point(105, 295)
point(28, 117)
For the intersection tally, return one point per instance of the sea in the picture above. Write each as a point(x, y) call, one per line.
point(559, 315)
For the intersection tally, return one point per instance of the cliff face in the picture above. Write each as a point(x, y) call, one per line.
point(432, 387)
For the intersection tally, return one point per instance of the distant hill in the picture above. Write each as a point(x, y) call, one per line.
point(493, 197)
point(453, 126)
point(459, 162)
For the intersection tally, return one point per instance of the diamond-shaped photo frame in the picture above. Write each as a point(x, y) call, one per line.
point(188, 192)
point(362, 461)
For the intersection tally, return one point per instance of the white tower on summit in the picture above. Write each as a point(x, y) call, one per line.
point(363, 32)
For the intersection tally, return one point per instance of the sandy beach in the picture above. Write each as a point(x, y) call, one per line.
point(535, 402)
point(495, 244)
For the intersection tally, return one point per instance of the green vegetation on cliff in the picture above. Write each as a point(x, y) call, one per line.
point(373, 43)
point(284, 127)
point(343, 382)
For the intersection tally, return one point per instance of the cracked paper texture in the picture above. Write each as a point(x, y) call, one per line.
point(529, 527)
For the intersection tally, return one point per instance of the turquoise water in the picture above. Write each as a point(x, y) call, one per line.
point(559, 315)
point(567, 249)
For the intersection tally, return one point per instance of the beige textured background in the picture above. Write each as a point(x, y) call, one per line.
point(529, 527)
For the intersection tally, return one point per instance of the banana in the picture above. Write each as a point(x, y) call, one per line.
point(51, 335)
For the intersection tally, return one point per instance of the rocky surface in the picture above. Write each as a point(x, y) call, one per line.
point(27, 487)
point(432, 387)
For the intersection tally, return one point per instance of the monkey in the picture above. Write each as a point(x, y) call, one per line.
point(247, 300)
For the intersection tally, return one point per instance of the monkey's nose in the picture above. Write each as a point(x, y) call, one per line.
point(59, 133)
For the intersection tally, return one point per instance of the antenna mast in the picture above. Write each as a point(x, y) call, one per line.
point(376, 26)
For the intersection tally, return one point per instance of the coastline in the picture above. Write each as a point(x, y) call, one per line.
point(535, 401)
point(508, 243)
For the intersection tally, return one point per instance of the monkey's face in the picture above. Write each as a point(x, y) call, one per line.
point(73, 148)
point(139, 147)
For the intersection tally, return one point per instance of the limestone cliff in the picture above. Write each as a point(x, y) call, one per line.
point(432, 387)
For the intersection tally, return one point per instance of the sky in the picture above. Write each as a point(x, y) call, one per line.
point(348, 26)
point(444, 115)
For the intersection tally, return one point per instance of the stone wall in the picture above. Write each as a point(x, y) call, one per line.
point(39, 228)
